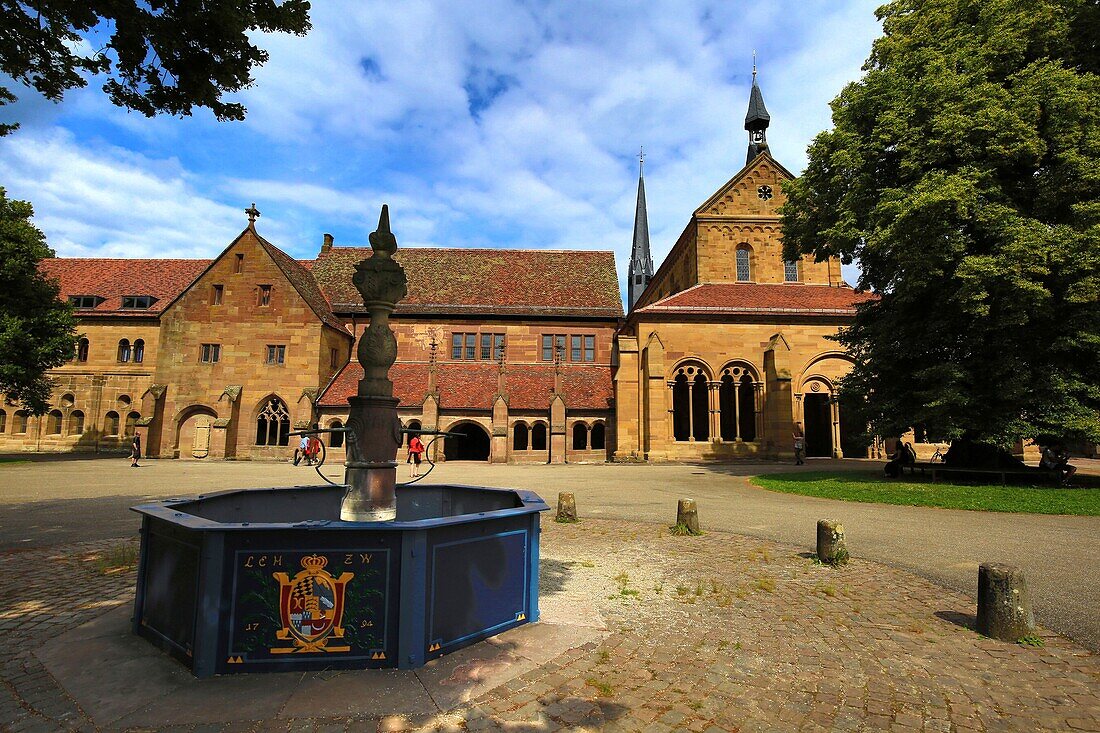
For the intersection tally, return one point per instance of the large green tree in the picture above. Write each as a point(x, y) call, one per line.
point(155, 56)
point(36, 327)
point(963, 174)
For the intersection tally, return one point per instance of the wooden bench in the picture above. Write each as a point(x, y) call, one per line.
point(940, 469)
point(918, 466)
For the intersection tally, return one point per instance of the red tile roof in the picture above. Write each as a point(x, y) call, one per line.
point(473, 386)
point(112, 279)
point(750, 298)
point(550, 282)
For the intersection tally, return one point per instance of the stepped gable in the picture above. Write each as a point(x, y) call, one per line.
point(465, 385)
point(484, 281)
point(761, 298)
point(111, 279)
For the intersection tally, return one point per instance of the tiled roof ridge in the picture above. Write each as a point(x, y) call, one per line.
point(419, 248)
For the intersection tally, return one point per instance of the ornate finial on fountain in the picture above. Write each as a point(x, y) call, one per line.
point(382, 283)
point(382, 240)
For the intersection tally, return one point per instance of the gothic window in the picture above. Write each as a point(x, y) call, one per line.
point(744, 264)
point(53, 423)
point(790, 271)
point(598, 437)
point(580, 436)
point(538, 436)
point(690, 404)
point(76, 422)
point(520, 436)
point(273, 423)
point(110, 423)
point(19, 421)
point(737, 405)
point(139, 351)
point(82, 350)
point(124, 351)
point(336, 440)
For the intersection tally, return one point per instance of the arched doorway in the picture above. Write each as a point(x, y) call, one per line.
point(818, 412)
point(193, 433)
point(472, 446)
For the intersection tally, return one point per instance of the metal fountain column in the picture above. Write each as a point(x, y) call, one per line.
point(374, 434)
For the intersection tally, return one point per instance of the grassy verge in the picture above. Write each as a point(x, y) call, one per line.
point(11, 460)
point(871, 487)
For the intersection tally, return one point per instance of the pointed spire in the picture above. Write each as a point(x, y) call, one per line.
point(641, 262)
point(757, 119)
point(382, 240)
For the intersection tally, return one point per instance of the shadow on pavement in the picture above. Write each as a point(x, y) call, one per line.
point(965, 620)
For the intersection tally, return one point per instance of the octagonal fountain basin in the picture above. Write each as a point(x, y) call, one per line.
point(265, 580)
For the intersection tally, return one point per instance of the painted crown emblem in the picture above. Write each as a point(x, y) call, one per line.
point(314, 562)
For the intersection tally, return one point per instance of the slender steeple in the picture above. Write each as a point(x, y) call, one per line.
point(641, 263)
point(756, 119)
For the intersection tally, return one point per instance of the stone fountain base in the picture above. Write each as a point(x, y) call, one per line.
point(272, 580)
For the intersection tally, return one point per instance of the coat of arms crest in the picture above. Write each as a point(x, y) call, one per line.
point(311, 607)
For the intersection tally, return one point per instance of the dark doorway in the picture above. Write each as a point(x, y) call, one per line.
point(855, 436)
point(819, 428)
point(472, 446)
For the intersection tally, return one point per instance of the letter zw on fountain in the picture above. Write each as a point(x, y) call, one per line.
point(374, 429)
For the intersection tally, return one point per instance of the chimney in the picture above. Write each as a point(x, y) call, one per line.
point(326, 243)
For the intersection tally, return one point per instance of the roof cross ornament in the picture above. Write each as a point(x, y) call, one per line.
point(253, 213)
point(754, 66)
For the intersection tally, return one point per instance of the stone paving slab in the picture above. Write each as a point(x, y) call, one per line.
point(719, 632)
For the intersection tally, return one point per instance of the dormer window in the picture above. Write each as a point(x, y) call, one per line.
point(137, 302)
point(85, 301)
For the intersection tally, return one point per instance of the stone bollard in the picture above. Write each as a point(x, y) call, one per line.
point(687, 516)
point(567, 507)
point(1004, 607)
point(831, 548)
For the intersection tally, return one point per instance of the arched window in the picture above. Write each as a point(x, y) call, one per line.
point(3, 420)
point(336, 440)
point(76, 422)
point(19, 423)
point(520, 436)
point(598, 438)
point(690, 404)
point(67, 400)
point(139, 351)
point(110, 423)
point(273, 423)
point(413, 425)
point(737, 404)
point(538, 436)
point(131, 423)
point(580, 436)
point(82, 350)
point(790, 271)
point(53, 423)
point(744, 263)
point(123, 350)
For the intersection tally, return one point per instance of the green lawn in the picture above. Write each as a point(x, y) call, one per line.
point(871, 487)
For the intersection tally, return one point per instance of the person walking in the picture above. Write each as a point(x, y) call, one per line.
point(300, 451)
point(416, 451)
point(313, 450)
point(135, 451)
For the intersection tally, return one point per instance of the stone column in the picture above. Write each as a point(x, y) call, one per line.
point(834, 405)
point(1004, 606)
point(371, 467)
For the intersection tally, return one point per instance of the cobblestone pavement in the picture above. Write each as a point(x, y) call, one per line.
point(712, 633)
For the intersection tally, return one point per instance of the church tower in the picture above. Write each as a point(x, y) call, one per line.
point(756, 119)
point(641, 263)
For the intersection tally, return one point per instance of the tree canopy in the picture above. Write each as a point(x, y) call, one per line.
point(161, 56)
point(36, 328)
point(963, 173)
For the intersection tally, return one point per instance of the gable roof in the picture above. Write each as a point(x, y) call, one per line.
point(484, 281)
point(111, 279)
point(300, 277)
point(764, 156)
point(758, 298)
point(473, 386)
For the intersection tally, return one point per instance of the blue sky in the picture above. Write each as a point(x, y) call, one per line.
point(483, 124)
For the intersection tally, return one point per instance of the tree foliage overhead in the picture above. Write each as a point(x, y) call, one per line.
point(36, 328)
point(963, 173)
point(159, 56)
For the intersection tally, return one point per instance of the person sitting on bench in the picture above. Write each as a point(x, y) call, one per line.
point(1055, 459)
point(904, 455)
